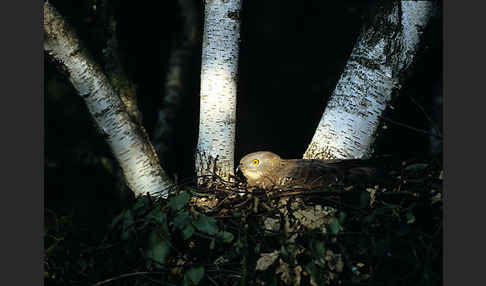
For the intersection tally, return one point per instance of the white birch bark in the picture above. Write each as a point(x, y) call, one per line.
point(383, 51)
point(215, 147)
point(128, 142)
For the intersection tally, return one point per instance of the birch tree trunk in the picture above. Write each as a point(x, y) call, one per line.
point(128, 142)
point(215, 147)
point(384, 50)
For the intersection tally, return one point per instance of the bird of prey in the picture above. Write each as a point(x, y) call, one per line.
point(267, 170)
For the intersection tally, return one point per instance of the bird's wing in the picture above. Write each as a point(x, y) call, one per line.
point(307, 173)
point(312, 173)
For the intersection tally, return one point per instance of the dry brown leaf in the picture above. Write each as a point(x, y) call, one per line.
point(339, 265)
point(266, 259)
point(372, 192)
point(312, 217)
point(283, 270)
point(271, 224)
point(297, 271)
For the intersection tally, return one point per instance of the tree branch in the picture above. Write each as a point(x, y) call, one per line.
point(127, 140)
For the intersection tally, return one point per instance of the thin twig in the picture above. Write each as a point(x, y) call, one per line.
point(433, 123)
point(127, 275)
point(410, 127)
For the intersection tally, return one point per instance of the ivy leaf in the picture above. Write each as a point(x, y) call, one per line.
point(341, 217)
point(157, 249)
point(127, 225)
point(416, 167)
point(314, 272)
point(334, 226)
point(283, 251)
point(320, 249)
point(194, 275)
point(178, 202)
point(182, 219)
point(157, 215)
point(141, 203)
point(392, 206)
point(226, 236)
point(410, 217)
point(187, 232)
point(369, 218)
point(206, 224)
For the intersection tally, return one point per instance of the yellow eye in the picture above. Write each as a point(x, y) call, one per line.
point(255, 162)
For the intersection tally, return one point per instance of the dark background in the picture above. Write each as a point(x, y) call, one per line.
point(291, 56)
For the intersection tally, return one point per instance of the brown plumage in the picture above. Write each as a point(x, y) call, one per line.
point(267, 170)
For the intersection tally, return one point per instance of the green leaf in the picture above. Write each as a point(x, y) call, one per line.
point(239, 243)
point(369, 218)
point(141, 203)
point(309, 267)
point(410, 217)
point(257, 248)
point(194, 274)
point(157, 247)
point(157, 215)
point(182, 220)
point(178, 202)
point(334, 226)
point(206, 224)
point(341, 217)
point(127, 225)
point(212, 244)
point(320, 249)
point(391, 206)
point(226, 236)
point(416, 167)
point(187, 232)
point(312, 269)
point(283, 251)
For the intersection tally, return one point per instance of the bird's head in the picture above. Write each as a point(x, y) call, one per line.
point(255, 166)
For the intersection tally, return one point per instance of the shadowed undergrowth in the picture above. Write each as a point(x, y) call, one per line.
point(222, 233)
